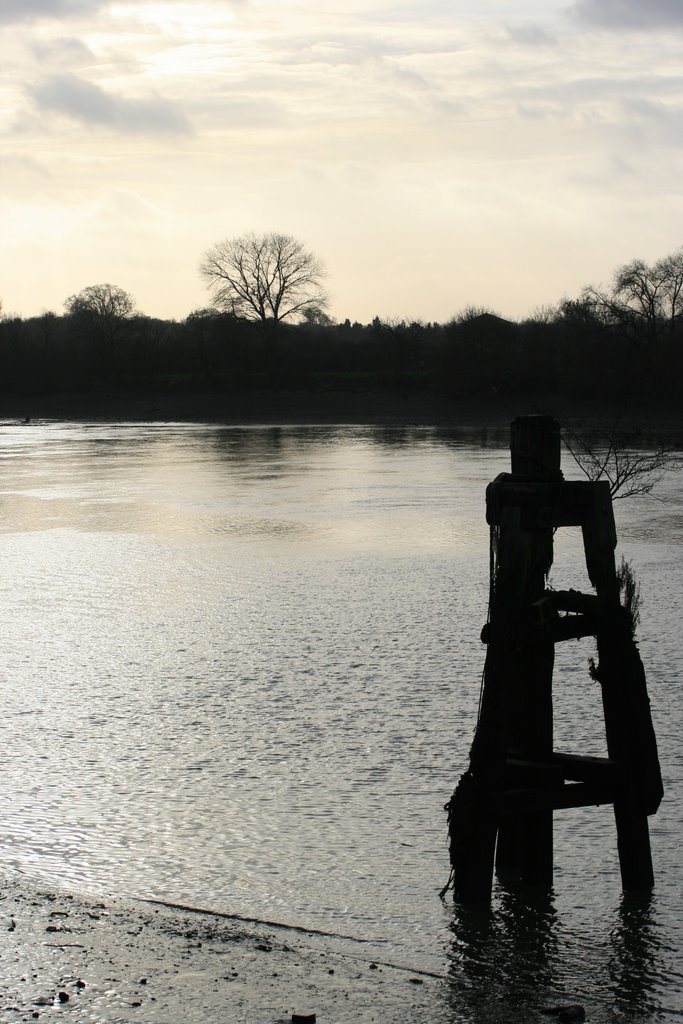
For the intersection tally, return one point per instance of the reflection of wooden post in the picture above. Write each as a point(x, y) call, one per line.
point(515, 780)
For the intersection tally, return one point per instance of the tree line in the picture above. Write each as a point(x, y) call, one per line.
point(268, 326)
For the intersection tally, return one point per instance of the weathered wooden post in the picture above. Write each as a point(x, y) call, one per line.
point(502, 807)
point(524, 556)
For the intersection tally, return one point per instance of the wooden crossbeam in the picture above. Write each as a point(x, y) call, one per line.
point(554, 798)
point(570, 767)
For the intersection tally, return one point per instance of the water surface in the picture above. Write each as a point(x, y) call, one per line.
point(241, 670)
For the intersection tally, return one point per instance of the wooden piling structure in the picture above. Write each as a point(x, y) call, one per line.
point(502, 809)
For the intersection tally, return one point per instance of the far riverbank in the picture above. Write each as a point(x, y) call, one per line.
point(285, 407)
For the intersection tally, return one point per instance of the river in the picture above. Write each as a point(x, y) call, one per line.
point(241, 669)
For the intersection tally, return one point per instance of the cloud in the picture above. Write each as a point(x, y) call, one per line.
point(12, 11)
point(91, 105)
point(654, 122)
point(530, 35)
point(21, 168)
point(620, 14)
point(242, 111)
point(68, 52)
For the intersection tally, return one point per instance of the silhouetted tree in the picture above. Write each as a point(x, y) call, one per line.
point(402, 347)
point(266, 279)
point(108, 302)
point(220, 345)
point(583, 315)
point(200, 326)
point(480, 353)
point(473, 313)
point(645, 302)
point(316, 316)
point(143, 343)
point(101, 313)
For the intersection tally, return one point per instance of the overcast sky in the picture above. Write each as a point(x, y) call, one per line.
point(433, 153)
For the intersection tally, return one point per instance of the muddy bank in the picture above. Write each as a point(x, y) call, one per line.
point(118, 961)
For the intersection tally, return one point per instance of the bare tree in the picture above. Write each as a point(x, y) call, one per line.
point(607, 456)
point(106, 301)
point(473, 312)
point(543, 314)
point(266, 279)
point(646, 301)
point(101, 312)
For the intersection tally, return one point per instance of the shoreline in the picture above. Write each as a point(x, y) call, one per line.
point(127, 960)
point(290, 408)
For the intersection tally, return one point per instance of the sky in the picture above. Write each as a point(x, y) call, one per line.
point(434, 154)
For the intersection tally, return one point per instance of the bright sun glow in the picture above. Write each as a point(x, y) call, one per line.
point(191, 20)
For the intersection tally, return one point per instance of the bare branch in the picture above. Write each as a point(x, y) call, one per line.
point(270, 277)
point(607, 457)
point(106, 301)
point(645, 301)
